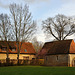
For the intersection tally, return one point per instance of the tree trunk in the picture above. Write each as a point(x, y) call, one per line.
point(17, 59)
point(60, 36)
point(7, 59)
point(17, 53)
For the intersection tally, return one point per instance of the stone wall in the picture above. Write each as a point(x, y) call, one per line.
point(56, 60)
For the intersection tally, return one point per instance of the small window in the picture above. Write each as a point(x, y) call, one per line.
point(57, 57)
point(25, 50)
point(4, 48)
point(33, 58)
point(13, 49)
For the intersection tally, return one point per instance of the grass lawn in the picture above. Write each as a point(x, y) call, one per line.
point(36, 70)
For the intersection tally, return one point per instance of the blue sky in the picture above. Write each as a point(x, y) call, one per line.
point(41, 10)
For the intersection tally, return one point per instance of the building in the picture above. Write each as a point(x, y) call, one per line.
point(58, 53)
point(27, 50)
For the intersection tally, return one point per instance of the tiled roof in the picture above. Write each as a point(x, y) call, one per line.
point(58, 47)
point(12, 44)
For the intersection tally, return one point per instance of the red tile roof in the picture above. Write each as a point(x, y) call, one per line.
point(58, 47)
point(25, 46)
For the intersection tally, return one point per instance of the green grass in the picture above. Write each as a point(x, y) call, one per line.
point(36, 70)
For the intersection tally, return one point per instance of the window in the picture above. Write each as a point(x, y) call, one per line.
point(33, 58)
point(13, 49)
point(4, 48)
point(25, 50)
point(57, 57)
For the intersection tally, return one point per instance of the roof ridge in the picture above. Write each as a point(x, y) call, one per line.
point(59, 41)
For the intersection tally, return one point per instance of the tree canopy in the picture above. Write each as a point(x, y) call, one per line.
point(22, 25)
point(59, 26)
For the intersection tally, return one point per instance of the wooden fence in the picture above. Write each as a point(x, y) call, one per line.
point(22, 62)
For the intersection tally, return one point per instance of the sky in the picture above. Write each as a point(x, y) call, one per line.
point(41, 10)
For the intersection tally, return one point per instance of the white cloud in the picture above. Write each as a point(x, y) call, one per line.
point(36, 1)
point(67, 8)
point(41, 37)
point(68, 1)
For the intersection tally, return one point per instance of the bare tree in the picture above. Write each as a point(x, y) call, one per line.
point(5, 30)
point(59, 26)
point(37, 44)
point(23, 26)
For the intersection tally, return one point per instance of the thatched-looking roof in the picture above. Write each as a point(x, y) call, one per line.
point(58, 47)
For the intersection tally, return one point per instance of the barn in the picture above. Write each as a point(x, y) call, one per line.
point(58, 53)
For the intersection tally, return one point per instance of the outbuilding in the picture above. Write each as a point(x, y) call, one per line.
point(58, 53)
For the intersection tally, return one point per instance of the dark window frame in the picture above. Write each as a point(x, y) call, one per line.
point(13, 49)
point(57, 58)
point(4, 48)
